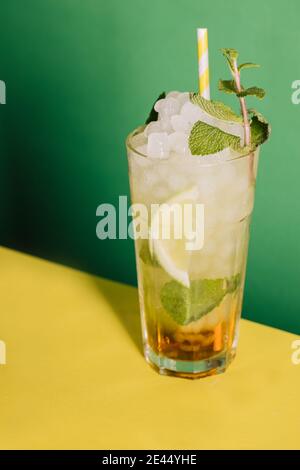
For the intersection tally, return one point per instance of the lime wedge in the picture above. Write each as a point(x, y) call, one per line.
point(165, 245)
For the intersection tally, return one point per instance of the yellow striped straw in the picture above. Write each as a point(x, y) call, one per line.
point(203, 68)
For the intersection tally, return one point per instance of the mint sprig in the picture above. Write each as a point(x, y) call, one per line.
point(256, 127)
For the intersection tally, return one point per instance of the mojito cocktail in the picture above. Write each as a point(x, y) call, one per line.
point(191, 299)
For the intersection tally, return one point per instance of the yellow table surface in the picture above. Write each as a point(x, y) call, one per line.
point(75, 376)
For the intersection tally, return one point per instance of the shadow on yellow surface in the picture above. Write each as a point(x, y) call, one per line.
point(125, 305)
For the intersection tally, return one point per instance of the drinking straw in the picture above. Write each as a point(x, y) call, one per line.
point(203, 68)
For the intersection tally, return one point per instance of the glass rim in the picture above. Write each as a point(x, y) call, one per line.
point(139, 130)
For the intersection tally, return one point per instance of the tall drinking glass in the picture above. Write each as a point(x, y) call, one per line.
point(191, 305)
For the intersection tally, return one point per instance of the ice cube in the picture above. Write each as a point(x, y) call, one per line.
point(179, 143)
point(191, 112)
point(167, 107)
point(166, 125)
point(154, 126)
point(159, 104)
point(158, 145)
point(180, 124)
point(173, 94)
point(183, 98)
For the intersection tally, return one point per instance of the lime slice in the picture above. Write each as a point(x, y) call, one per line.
point(165, 245)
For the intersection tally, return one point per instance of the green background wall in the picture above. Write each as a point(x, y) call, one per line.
point(81, 74)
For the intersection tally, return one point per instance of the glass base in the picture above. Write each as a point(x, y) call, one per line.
point(189, 369)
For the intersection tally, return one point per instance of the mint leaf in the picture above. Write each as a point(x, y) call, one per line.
point(216, 109)
point(252, 91)
point(260, 128)
point(231, 56)
point(205, 296)
point(185, 305)
point(205, 139)
point(247, 65)
point(175, 299)
point(228, 86)
point(153, 115)
point(218, 116)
